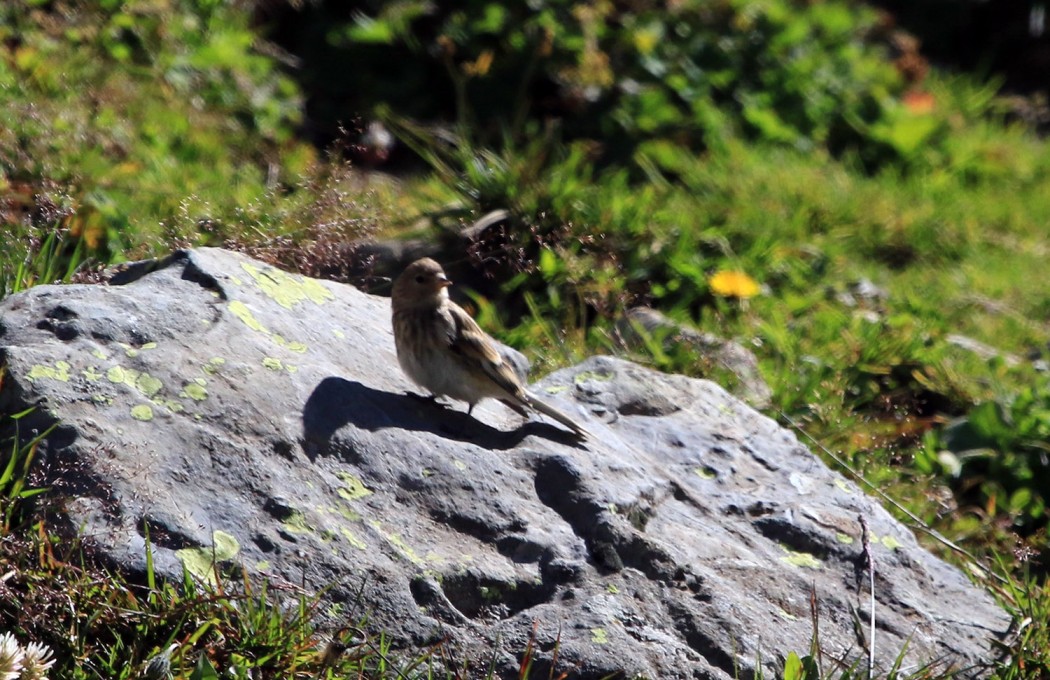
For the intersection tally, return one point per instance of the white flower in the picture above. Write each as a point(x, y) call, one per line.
point(36, 661)
point(10, 657)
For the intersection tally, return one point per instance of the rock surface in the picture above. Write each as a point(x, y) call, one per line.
point(644, 324)
point(260, 418)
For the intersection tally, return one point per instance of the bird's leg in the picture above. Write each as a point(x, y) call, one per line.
point(470, 407)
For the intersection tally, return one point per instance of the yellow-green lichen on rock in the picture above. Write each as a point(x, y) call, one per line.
point(142, 412)
point(275, 364)
point(352, 539)
point(287, 289)
point(201, 561)
point(890, 542)
point(353, 488)
point(291, 346)
point(295, 523)
point(704, 473)
point(800, 559)
point(405, 549)
point(345, 512)
point(584, 376)
point(147, 384)
point(214, 365)
point(132, 351)
point(58, 371)
point(241, 311)
point(170, 404)
point(395, 540)
point(195, 389)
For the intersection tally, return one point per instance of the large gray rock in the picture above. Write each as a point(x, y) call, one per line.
point(238, 412)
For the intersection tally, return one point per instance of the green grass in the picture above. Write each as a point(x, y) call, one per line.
point(103, 624)
point(100, 624)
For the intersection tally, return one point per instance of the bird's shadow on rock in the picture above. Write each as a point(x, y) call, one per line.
point(336, 402)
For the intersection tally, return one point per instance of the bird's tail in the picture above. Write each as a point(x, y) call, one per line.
point(548, 410)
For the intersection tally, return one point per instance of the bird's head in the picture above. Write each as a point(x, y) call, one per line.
point(423, 283)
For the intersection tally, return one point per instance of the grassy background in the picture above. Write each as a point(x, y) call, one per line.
point(640, 150)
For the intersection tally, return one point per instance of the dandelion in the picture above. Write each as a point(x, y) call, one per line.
point(10, 657)
point(36, 662)
point(733, 284)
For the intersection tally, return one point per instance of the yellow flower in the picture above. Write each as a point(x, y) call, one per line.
point(646, 40)
point(733, 284)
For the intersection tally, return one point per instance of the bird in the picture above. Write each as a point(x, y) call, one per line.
point(442, 349)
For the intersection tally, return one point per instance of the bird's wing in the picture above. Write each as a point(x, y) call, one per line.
point(475, 348)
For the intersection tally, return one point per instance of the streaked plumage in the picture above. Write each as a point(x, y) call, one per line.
point(441, 348)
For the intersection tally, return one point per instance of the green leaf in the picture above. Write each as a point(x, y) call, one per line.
point(988, 420)
point(1020, 500)
point(548, 264)
point(204, 670)
point(9, 469)
point(793, 667)
point(906, 133)
point(370, 31)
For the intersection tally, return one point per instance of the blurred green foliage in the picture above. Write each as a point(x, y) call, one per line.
point(803, 74)
point(117, 114)
point(999, 451)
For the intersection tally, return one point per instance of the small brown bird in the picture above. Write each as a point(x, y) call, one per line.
point(445, 351)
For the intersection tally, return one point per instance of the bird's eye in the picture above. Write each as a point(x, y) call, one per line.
point(419, 279)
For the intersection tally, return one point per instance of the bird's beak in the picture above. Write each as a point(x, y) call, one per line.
point(443, 281)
